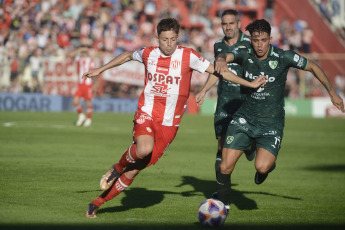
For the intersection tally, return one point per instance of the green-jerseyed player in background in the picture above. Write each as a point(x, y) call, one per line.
point(261, 117)
point(229, 94)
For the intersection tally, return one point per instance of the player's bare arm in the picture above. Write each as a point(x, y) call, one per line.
point(230, 76)
point(119, 60)
point(322, 77)
point(221, 62)
point(211, 81)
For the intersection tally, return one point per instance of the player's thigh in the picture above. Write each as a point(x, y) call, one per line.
point(145, 144)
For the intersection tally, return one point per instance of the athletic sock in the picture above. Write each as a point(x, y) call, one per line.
point(224, 185)
point(79, 108)
point(89, 112)
point(129, 157)
point(121, 184)
point(217, 163)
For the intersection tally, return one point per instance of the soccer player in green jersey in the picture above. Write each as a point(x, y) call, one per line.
point(261, 117)
point(229, 94)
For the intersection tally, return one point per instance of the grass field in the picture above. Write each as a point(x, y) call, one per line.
point(50, 171)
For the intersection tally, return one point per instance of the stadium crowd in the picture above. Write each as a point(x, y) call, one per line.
point(31, 31)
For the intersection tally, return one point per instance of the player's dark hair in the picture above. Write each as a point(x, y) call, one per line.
point(168, 24)
point(260, 25)
point(231, 12)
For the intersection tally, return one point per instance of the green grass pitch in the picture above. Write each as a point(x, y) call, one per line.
point(50, 171)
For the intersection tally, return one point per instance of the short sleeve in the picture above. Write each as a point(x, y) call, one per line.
point(295, 60)
point(138, 55)
point(198, 62)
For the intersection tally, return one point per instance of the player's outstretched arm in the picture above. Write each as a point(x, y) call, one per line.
point(221, 61)
point(322, 77)
point(230, 76)
point(119, 60)
point(211, 81)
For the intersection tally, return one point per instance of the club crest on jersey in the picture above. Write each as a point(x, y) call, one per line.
point(273, 64)
point(175, 64)
point(229, 139)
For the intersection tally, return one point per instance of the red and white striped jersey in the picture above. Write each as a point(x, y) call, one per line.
point(84, 64)
point(167, 82)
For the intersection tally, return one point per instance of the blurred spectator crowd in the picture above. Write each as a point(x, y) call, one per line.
point(31, 31)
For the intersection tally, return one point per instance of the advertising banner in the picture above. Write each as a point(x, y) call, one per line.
point(30, 102)
point(298, 107)
point(60, 77)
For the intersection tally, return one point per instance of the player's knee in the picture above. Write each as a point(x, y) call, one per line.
point(144, 150)
point(226, 169)
point(262, 167)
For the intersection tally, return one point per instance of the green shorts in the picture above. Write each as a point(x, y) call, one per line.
point(242, 132)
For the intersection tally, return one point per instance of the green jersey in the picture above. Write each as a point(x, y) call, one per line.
point(229, 94)
point(266, 104)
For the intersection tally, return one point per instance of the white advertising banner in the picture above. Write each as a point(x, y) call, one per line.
point(60, 77)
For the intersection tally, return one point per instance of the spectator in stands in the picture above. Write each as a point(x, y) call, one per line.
point(323, 6)
point(36, 63)
point(26, 87)
point(59, 27)
point(307, 36)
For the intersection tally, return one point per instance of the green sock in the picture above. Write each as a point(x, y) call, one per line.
point(224, 185)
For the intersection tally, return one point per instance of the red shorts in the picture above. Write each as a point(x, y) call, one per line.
point(84, 91)
point(163, 135)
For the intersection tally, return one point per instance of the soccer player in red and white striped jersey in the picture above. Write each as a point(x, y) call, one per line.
point(85, 88)
point(168, 71)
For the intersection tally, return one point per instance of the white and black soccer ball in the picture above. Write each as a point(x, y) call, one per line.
point(212, 213)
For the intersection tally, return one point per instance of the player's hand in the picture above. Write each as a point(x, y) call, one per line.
point(259, 82)
point(92, 73)
point(199, 98)
point(337, 101)
point(220, 65)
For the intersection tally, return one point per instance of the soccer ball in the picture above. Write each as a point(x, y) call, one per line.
point(212, 213)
